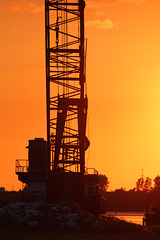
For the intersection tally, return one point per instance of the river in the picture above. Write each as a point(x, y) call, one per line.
point(134, 217)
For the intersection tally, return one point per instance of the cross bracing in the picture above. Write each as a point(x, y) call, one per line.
point(66, 96)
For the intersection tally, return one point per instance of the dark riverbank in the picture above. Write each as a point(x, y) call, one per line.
point(32, 235)
point(138, 201)
point(38, 220)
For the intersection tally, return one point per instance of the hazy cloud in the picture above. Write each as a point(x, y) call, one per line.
point(32, 8)
point(14, 6)
point(25, 6)
point(94, 3)
point(113, 1)
point(106, 24)
point(99, 13)
point(132, 1)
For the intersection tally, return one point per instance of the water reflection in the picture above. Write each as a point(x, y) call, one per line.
point(134, 217)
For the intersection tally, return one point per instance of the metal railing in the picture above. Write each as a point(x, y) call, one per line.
point(92, 171)
point(21, 165)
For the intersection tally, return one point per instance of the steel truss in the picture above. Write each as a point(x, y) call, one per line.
point(65, 85)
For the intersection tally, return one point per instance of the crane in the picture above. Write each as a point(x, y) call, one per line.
point(56, 170)
point(65, 85)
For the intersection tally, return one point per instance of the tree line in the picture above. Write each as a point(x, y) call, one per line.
point(145, 195)
point(142, 184)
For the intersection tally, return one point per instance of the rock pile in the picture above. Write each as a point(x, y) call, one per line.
point(36, 214)
point(59, 216)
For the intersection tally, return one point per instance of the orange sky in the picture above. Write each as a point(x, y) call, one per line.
point(123, 81)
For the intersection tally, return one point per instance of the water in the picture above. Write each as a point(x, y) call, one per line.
point(134, 217)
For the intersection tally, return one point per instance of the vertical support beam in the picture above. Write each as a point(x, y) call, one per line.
point(81, 118)
point(47, 43)
point(82, 80)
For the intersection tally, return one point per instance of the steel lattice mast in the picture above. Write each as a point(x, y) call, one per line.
point(65, 85)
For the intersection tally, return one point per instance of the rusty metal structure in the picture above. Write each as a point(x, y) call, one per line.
point(65, 85)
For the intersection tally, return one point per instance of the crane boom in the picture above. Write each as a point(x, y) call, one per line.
point(65, 85)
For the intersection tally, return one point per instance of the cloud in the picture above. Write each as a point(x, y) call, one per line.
point(132, 1)
point(106, 24)
point(32, 8)
point(102, 3)
point(25, 6)
point(113, 1)
point(14, 7)
point(94, 4)
point(99, 13)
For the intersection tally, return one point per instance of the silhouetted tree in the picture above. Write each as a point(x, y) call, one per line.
point(147, 184)
point(104, 182)
point(140, 184)
point(157, 182)
point(144, 184)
